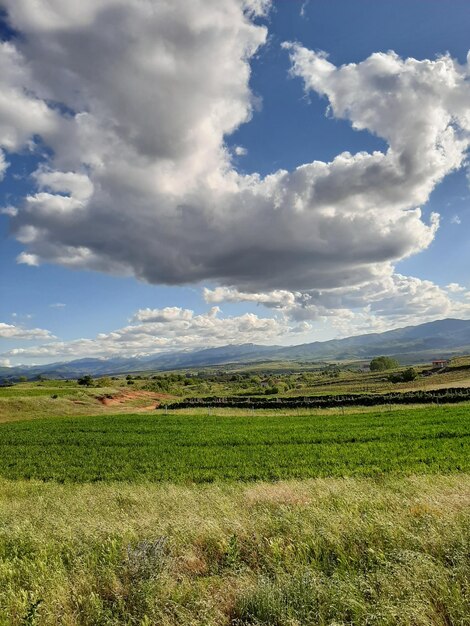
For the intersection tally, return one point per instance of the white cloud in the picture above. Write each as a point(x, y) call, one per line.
point(258, 8)
point(401, 300)
point(57, 305)
point(22, 114)
point(303, 8)
point(153, 331)
point(240, 151)
point(9, 210)
point(419, 107)
point(389, 301)
point(455, 219)
point(165, 315)
point(11, 331)
point(28, 259)
point(78, 186)
point(24, 316)
point(3, 167)
point(455, 288)
point(141, 182)
point(274, 299)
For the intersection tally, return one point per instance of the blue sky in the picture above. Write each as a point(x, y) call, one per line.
point(119, 289)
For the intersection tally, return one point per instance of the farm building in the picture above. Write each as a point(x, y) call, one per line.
point(440, 363)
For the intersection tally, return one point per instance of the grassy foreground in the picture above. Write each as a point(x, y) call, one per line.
point(203, 448)
point(325, 551)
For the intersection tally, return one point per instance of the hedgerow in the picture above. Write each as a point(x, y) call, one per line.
point(436, 396)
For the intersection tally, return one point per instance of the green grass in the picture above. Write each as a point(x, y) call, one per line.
point(349, 552)
point(257, 447)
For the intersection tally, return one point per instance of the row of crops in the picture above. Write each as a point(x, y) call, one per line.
point(436, 396)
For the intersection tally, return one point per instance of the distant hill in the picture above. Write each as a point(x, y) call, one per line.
point(439, 339)
point(433, 339)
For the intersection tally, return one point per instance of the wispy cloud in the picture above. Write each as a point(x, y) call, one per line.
point(303, 8)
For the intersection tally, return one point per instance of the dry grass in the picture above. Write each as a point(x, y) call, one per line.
point(326, 551)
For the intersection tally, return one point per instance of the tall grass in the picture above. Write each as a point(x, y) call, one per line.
point(325, 551)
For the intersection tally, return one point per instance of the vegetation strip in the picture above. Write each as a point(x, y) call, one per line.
point(445, 396)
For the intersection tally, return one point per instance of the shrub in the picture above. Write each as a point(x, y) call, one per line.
point(409, 375)
point(403, 377)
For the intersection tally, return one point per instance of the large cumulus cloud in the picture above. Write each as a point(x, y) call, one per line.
point(135, 100)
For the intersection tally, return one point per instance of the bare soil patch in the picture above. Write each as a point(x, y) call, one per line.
point(126, 397)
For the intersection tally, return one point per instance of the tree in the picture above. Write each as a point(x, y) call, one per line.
point(86, 381)
point(382, 363)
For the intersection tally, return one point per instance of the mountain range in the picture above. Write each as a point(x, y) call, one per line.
point(412, 344)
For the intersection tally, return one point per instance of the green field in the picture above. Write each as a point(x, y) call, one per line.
point(352, 517)
point(205, 448)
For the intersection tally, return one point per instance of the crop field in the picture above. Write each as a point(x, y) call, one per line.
point(206, 448)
